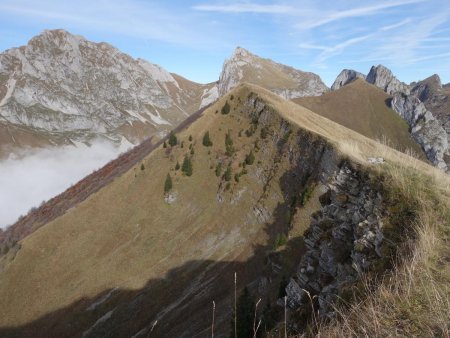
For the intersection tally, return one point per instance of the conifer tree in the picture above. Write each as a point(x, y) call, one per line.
point(227, 175)
point(172, 139)
point(177, 166)
point(206, 140)
point(218, 169)
point(226, 108)
point(168, 184)
point(186, 167)
point(250, 158)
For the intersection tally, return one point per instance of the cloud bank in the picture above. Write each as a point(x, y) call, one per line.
point(35, 176)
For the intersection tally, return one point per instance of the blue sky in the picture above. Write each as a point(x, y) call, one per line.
point(192, 38)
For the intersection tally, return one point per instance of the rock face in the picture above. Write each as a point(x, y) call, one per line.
point(74, 89)
point(285, 81)
point(383, 78)
point(425, 128)
point(344, 241)
point(345, 77)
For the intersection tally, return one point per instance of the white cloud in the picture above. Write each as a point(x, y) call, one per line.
point(34, 176)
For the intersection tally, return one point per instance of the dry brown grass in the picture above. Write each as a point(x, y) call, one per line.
point(363, 108)
point(413, 300)
point(125, 234)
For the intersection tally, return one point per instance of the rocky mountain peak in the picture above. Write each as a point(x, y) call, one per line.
point(345, 77)
point(243, 66)
point(241, 53)
point(383, 78)
point(77, 90)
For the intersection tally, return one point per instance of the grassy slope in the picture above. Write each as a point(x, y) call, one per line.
point(125, 234)
point(362, 107)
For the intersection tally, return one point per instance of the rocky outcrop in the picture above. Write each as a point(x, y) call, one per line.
point(63, 84)
point(383, 78)
point(425, 128)
point(345, 77)
point(285, 81)
point(344, 241)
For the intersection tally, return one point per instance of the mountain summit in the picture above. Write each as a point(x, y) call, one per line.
point(285, 81)
point(72, 89)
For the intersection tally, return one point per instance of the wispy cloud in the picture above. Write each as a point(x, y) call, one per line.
point(134, 18)
point(246, 8)
point(326, 18)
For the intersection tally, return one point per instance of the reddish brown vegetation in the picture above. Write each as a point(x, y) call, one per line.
point(77, 193)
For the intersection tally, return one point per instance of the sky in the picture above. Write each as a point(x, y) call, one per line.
point(193, 38)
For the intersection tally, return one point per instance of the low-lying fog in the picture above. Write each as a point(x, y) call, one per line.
point(29, 178)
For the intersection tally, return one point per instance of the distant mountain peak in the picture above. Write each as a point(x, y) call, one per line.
point(244, 66)
point(77, 90)
point(345, 77)
point(383, 78)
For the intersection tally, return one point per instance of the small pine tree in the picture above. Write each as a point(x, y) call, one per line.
point(227, 174)
point(192, 151)
point(164, 144)
point(250, 158)
point(218, 169)
point(206, 140)
point(190, 138)
point(186, 167)
point(182, 144)
point(229, 149)
point(142, 166)
point(168, 184)
point(226, 108)
point(172, 139)
point(177, 166)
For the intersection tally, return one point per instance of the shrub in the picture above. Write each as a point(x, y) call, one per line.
point(250, 158)
point(306, 194)
point(229, 149)
point(264, 132)
point(218, 169)
point(227, 174)
point(186, 167)
point(164, 144)
point(177, 166)
point(192, 151)
point(236, 177)
point(172, 139)
point(280, 240)
point(142, 166)
point(190, 138)
point(226, 108)
point(168, 184)
point(206, 140)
